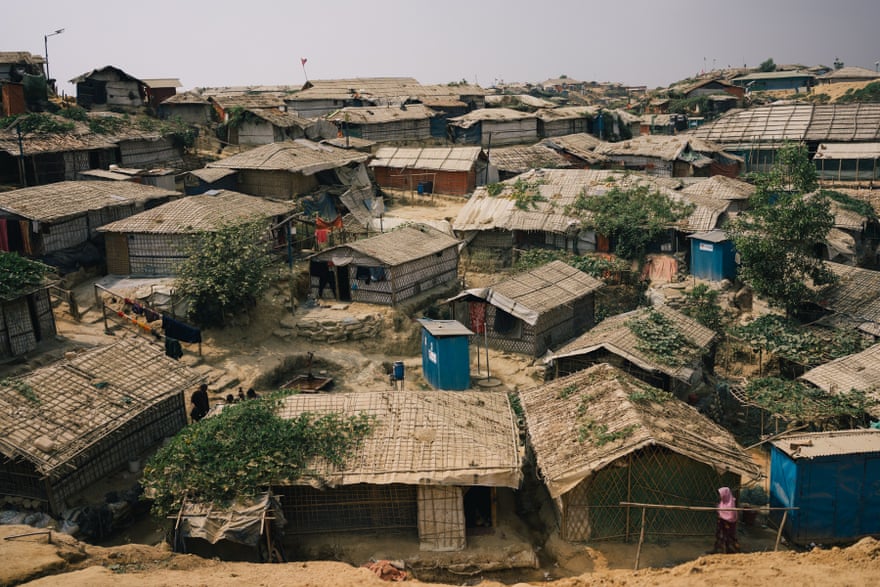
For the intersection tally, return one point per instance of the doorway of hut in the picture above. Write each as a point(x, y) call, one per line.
point(343, 283)
point(478, 510)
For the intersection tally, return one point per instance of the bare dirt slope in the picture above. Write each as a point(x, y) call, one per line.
point(33, 561)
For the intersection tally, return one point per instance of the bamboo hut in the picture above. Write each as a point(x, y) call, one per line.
point(71, 423)
point(672, 156)
point(613, 341)
point(156, 241)
point(601, 437)
point(856, 372)
point(49, 218)
point(440, 170)
point(410, 122)
point(386, 269)
point(432, 463)
point(288, 169)
point(26, 316)
point(532, 311)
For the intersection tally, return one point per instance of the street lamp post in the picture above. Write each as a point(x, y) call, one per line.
point(46, 48)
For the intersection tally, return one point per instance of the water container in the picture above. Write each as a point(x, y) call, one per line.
point(421, 189)
point(398, 370)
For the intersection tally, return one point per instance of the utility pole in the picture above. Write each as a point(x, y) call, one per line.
point(46, 49)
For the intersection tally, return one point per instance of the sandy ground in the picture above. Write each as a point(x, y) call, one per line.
point(32, 560)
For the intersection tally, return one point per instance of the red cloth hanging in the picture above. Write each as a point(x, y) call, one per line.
point(321, 235)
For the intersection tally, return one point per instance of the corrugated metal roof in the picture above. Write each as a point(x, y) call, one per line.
point(554, 414)
point(860, 371)
point(615, 336)
point(420, 437)
point(398, 246)
point(445, 327)
point(847, 151)
point(436, 158)
point(204, 212)
point(380, 114)
point(825, 444)
point(299, 156)
point(57, 201)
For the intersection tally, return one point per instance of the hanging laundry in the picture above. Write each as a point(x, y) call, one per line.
point(180, 330)
point(137, 308)
point(322, 235)
point(173, 348)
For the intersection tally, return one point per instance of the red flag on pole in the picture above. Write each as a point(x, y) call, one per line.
point(303, 60)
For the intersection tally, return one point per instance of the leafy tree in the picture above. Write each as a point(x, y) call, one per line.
point(17, 274)
point(633, 217)
point(767, 66)
point(245, 448)
point(777, 239)
point(701, 304)
point(226, 271)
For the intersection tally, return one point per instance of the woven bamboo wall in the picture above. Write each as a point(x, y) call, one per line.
point(20, 336)
point(20, 479)
point(401, 130)
point(116, 245)
point(63, 235)
point(275, 184)
point(573, 364)
point(156, 254)
point(441, 518)
point(568, 126)
point(350, 508)
point(651, 475)
point(45, 317)
point(411, 279)
point(147, 153)
point(117, 448)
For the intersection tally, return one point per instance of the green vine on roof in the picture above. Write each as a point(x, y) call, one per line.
point(661, 339)
point(17, 274)
point(598, 434)
point(22, 387)
point(850, 203)
point(107, 125)
point(797, 401)
point(42, 123)
point(246, 448)
point(526, 194)
point(788, 339)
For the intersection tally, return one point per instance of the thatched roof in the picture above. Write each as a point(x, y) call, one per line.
point(162, 82)
point(613, 335)
point(504, 100)
point(299, 156)
point(57, 201)
point(421, 438)
point(396, 247)
point(210, 175)
point(581, 145)
point(795, 122)
point(434, 158)
point(521, 158)
point(535, 292)
point(281, 119)
point(205, 212)
point(122, 75)
point(187, 98)
point(640, 415)
point(720, 187)
point(849, 73)
point(365, 87)
point(53, 415)
point(21, 57)
point(860, 372)
point(490, 114)
point(381, 114)
point(560, 188)
point(665, 147)
point(252, 102)
point(856, 293)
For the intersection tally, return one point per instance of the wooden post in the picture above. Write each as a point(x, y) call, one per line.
point(628, 492)
point(779, 532)
point(641, 539)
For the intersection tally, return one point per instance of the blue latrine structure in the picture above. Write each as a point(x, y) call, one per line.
point(833, 479)
point(446, 354)
point(713, 257)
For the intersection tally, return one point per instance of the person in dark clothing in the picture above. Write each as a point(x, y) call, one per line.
point(230, 399)
point(241, 396)
point(200, 403)
point(251, 394)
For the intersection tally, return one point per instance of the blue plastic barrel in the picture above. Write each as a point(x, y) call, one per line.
point(421, 189)
point(398, 370)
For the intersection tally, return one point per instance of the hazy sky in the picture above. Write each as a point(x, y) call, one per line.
point(636, 42)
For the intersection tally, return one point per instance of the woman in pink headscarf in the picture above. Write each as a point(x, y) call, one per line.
point(725, 531)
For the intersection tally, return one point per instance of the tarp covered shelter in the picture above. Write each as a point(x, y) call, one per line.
point(72, 423)
point(426, 452)
point(601, 437)
point(532, 311)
